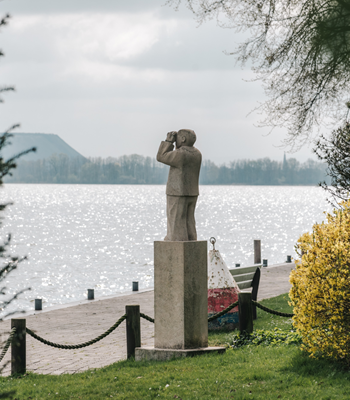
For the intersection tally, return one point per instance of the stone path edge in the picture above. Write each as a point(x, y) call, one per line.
point(28, 313)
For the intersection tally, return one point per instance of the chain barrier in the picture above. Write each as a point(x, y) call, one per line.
point(146, 317)
point(223, 312)
point(281, 314)
point(77, 346)
point(229, 308)
point(120, 320)
point(7, 345)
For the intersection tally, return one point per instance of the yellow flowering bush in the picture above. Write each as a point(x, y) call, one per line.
point(320, 290)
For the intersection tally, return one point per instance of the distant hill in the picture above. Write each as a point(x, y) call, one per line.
point(46, 144)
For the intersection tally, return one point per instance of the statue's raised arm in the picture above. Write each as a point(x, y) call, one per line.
point(182, 186)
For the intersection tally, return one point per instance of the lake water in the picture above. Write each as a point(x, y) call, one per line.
point(101, 236)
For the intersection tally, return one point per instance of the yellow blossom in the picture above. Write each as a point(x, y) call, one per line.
point(320, 290)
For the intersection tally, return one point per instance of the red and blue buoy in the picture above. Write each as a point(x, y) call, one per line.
point(222, 291)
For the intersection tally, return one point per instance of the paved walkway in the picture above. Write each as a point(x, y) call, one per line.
point(274, 280)
point(80, 323)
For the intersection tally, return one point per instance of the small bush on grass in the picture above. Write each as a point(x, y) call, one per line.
point(264, 337)
point(269, 329)
point(321, 287)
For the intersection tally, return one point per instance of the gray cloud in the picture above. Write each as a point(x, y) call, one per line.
point(125, 117)
point(190, 49)
point(182, 48)
point(107, 95)
point(74, 6)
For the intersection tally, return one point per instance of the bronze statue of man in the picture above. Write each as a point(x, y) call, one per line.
point(182, 186)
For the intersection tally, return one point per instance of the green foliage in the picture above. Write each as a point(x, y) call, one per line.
point(335, 151)
point(7, 262)
point(135, 169)
point(269, 329)
point(321, 287)
point(265, 321)
point(263, 172)
point(264, 337)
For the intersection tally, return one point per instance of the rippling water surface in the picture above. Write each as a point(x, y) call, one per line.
point(101, 236)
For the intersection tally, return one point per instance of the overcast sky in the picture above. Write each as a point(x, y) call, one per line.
point(113, 77)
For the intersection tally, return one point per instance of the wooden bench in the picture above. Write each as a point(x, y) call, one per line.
point(248, 277)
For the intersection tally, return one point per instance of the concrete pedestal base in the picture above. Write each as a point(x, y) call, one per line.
point(151, 353)
point(180, 302)
point(180, 295)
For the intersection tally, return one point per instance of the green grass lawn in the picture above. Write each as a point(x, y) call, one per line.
point(250, 372)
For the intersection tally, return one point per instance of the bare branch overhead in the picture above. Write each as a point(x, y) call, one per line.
point(300, 50)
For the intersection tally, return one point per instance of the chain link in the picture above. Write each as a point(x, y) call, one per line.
point(120, 320)
point(146, 317)
point(223, 312)
point(77, 346)
point(229, 308)
point(281, 314)
point(7, 344)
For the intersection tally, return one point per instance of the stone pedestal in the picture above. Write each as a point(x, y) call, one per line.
point(180, 295)
point(180, 302)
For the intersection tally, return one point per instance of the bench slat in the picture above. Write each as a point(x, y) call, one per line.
point(245, 284)
point(244, 277)
point(244, 270)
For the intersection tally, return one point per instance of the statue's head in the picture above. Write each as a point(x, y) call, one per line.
point(185, 137)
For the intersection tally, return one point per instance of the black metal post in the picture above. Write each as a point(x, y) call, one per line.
point(245, 310)
point(133, 330)
point(18, 347)
point(38, 304)
point(257, 251)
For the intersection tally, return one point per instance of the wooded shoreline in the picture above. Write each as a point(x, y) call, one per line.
point(136, 169)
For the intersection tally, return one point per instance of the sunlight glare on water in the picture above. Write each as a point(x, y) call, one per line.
point(101, 236)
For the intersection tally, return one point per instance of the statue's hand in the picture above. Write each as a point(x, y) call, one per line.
point(171, 136)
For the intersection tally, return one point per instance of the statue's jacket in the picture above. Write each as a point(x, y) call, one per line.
point(185, 164)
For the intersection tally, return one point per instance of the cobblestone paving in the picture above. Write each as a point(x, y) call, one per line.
point(80, 323)
point(77, 324)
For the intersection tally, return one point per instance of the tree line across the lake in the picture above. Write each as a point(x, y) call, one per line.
point(136, 169)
